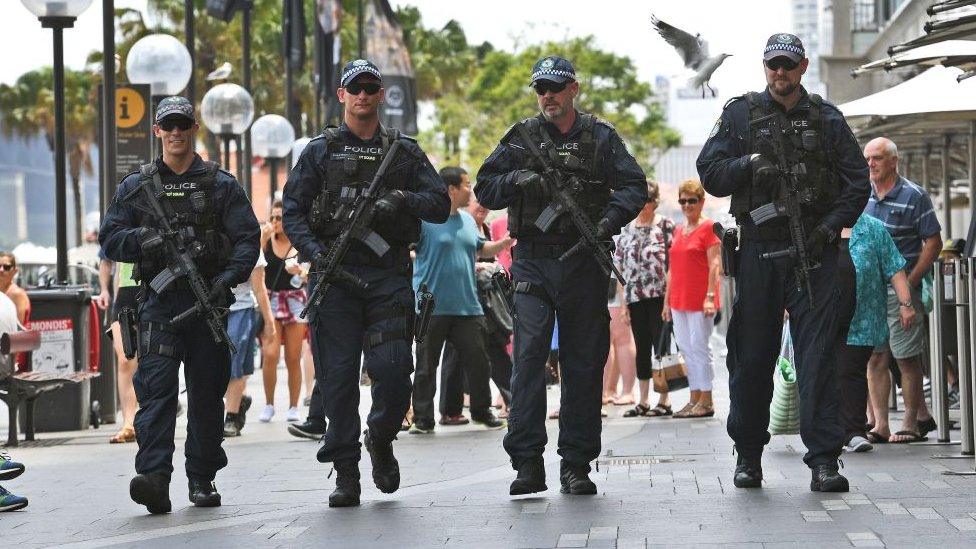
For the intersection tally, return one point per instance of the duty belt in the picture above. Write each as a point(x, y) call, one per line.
point(539, 250)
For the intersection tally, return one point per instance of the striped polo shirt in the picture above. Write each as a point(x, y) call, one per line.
point(907, 213)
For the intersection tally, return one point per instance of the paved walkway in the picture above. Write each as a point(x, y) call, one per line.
point(662, 482)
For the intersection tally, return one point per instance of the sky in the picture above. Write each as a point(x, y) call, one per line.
point(740, 28)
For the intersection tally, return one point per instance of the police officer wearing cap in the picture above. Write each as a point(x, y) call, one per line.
point(209, 207)
point(573, 290)
point(740, 159)
point(376, 321)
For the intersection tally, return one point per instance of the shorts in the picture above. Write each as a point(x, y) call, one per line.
point(904, 343)
point(287, 305)
point(126, 297)
point(242, 330)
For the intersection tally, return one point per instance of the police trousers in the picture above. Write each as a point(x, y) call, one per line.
point(575, 292)
point(764, 289)
point(206, 369)
point(350, 324)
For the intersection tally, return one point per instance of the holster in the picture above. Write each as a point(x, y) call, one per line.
point(129, 328)
point(503, 284)
point(425, 306)
point(730, 245)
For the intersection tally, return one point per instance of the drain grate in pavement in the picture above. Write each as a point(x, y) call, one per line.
point(41, 443)
point(641, 460)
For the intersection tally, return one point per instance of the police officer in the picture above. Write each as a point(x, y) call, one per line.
point(206, 205)
point(757, 136)
point(332, 171)
point(573, 290)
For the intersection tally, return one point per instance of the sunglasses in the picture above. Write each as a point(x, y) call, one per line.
point(167, 124)
point(543, 86)
point(6, 267)
point(689, 201)
point(275, 218)
point(778, 63)
point(371, 88)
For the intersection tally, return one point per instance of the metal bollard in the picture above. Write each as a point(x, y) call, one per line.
point(963, 313)
point(940, 408)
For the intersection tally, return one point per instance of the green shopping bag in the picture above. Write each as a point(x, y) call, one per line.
point(784, 410)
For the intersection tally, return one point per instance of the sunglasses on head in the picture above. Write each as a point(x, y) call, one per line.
point(167, 124)
point(275, 218)
point(371, 88)
point(691, 201)
point(778, 63)
point(6, 267)
point(543, 86)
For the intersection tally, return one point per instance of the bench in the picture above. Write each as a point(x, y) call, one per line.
point(25, 387)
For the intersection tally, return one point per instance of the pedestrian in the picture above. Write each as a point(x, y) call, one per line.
point(377, 320)
point(574, 289)
point(125, 293)
point(284, 287)
point(692, 296)
point(784, 126)
point(9, 286)
point(249, 315)
point(643, 258)
point(209, 208)
point(906, 211)
point(621, 360)
point(868, 257)
point(445, 262)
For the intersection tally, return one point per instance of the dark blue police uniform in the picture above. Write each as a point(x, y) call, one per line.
point(351, 322)
point(765, 288)
point(164, 346)
point(574, 290)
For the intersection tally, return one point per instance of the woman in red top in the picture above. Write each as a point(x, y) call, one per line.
point(692, 296)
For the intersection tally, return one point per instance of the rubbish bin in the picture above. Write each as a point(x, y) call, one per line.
point(103, 391)
point(61, 314)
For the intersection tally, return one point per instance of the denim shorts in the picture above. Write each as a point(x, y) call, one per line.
point(242, 330)
point(287, 305)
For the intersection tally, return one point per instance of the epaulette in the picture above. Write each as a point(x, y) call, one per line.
point(733, 100)
point(410, 138)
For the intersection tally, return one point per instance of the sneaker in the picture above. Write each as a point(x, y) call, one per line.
point(489, 421)
point(422, 427)
point(9, 469)
point(231, 426)
point(308, 429)
point(11, 502)
point(293, 416)
point(454, 420)
point(267, 413)
point(858, 444)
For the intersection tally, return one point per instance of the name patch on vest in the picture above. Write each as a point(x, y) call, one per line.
point(358, 152)
point(180, 189)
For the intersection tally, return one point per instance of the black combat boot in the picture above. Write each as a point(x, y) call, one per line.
point(826, 478)
point(531, 477)
point(151, 490)
point(203, 493)
point(575, 479)
point(347, 489)
point(748, 472)
point(386, 470)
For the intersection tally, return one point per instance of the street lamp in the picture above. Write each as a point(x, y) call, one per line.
point(297, 147)
point(227, 110)
point(161, 61)
point(58, 15)
point(272, 137)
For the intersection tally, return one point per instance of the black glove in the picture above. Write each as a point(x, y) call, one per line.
point(605, 229)
point(818, 239)
point(150, 240)
point(762, 168)
point(527, 179)
point(220, 295)
point(389, 205)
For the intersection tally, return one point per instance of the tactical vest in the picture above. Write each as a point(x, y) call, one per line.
point(195, 215)
point(593, 198)
point(806, 141)
point(349, 170)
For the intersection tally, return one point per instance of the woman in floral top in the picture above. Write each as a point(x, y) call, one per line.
point(642, 256)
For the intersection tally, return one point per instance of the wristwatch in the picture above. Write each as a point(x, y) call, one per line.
point(906, 304)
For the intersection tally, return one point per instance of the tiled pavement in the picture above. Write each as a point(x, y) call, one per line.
point(663, 483)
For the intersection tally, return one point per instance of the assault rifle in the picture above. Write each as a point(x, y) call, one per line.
point(357, 220)
point(180, 249)
point(791, 196)
point(564, 189)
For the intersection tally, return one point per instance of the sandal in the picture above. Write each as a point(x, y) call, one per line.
point(125, 434)
point(659, 411)
point(683, 413)
point(876, 438)
point(927, 426)
point(701, 411)
point(914, 437)
point(641, 410)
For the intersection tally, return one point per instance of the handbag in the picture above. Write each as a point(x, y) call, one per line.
point(669, 371)
point(784, 408)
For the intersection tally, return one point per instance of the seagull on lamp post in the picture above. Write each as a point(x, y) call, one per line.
point(693, 51)
point(221, 73)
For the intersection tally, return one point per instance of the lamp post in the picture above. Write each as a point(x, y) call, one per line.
point(227, 110)
point(272, 137)
point(161, 61)
point(58, 15)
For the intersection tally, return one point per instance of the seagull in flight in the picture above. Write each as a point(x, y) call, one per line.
point(221, 73)
point(693, 51)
